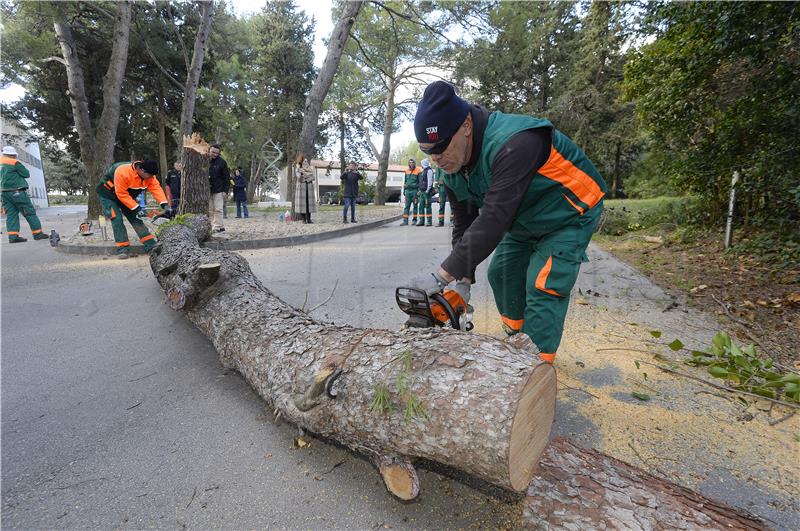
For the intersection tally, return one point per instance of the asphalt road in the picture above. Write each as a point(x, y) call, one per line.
point(117, 414)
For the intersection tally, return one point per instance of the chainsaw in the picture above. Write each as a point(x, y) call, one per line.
point(440, 309)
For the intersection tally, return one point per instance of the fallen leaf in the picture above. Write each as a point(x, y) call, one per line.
point(793, 298)
point(581, 300)
point(748, 304)
point(640, 396)
point(762, 302)
point(301, 443)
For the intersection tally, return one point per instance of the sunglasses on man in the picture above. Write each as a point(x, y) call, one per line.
point(438, 148)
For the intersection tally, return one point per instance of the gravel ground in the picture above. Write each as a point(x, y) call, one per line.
point(260, 225)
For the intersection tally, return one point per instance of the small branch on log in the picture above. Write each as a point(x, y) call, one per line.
point(399, 476)
point(310, 398)
point(207, 274)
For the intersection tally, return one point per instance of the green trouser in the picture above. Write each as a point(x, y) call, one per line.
point(442, 203)
point(410, 199)
point(425, 208)
point(114, 211)
point(15, 203)
point(531, 277)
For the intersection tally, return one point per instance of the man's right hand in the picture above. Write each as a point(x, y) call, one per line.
point(141, 213)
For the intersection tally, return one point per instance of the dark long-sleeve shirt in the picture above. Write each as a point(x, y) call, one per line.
point(219, 176)
point(476, 233)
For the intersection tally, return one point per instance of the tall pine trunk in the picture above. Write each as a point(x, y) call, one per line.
point(383, 160)
point(195, 191)
point(322, 83)
point(96, 146)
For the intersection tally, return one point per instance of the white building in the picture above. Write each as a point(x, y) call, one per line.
point(327, 173)
point(12, 134)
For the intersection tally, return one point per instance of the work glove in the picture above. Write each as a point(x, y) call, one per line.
point(430, 283)
point(167, 212)
point(141, 213)
point(463, 288)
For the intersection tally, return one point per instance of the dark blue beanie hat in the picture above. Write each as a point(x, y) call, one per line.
point(439, 114)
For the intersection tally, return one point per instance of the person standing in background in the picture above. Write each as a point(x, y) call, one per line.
point(350, 180)
point(219, 180)
point(173, 182)
point(240, 192)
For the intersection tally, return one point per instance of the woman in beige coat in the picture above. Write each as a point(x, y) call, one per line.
point(305, 200)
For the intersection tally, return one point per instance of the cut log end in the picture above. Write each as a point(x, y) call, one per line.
point(531, 428)
point(401, 479)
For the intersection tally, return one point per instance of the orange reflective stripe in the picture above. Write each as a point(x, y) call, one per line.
point(549, 358)
point(405, 216)
point(576, 180)
point(8, 160)
point(541, 279)
point(123, 244)
point(12, 233)
point(146, 238)
point(576, 207)
point(513, 324)
point(37, 231)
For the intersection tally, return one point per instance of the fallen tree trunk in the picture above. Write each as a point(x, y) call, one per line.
point(473, 402)
point(482, 408)
point(575, 488)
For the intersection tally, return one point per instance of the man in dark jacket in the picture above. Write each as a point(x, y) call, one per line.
point(219, 179)
point(173, 182)
point(518, 187)
point(350, 180)
point(240, 192)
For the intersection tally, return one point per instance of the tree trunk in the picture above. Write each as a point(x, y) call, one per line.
point(617, 186)
point(342, 154)
point(322, 83)
point(473, 402)
point(97, 147)
point(575, 488)
point(383, 160)
point(193, 75)
point(484, 408)
point(195, 191)
point(162, 142)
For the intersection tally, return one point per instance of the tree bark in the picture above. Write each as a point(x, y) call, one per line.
point(195, 190)
point(97, 147)
point(193, 74)
point(575, 488)
point(322, 83)
point(474, 402)
point(383, 160)
point(487, 409)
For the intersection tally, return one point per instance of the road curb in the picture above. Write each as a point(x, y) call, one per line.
point(239, 245)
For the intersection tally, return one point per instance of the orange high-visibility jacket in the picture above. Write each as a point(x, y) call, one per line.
point(121, 182)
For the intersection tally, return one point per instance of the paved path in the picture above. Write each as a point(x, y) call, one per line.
point(117, 413)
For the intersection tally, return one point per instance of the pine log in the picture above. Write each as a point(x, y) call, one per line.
point(576, 488)
point(322, 377)
point(195, 191)
point(472, 402)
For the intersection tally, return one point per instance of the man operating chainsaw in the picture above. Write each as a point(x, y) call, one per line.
point(119, 190)
point(519, 187)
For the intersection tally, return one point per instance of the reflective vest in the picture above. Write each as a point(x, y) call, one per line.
point(412, 179)
point(565, 187)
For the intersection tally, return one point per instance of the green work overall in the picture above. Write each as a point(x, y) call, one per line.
point(536, 264)
point(114, 210)
point(410, 189)
point(15, 199)
point(442, 197)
